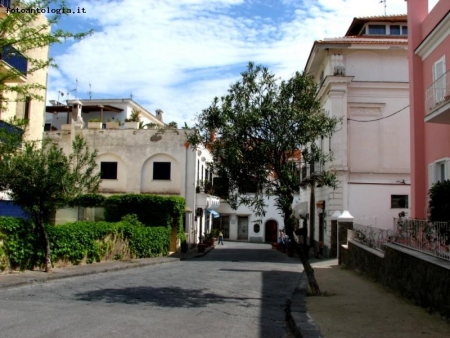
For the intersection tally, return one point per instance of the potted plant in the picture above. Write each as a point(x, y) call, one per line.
point(132, 122)
point(114, 124)
point(95, 123)
point(209, 241)
point(201, 246)
point(214, 234)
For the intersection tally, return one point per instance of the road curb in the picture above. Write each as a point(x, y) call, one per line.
point(297, 316)
point(32, 277)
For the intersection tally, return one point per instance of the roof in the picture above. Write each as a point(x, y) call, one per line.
point(358, 23)
point(366, 39)
point(85, 109)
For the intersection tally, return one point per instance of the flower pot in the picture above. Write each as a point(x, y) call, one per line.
point(201, 247)
point(95, 125)
point(274, 245)
point(112, 125)
point(131, 125)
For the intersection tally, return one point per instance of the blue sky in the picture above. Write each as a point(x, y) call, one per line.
point(177, 55)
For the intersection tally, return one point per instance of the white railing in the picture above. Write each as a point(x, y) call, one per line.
point(432, 238)
point(438, 93)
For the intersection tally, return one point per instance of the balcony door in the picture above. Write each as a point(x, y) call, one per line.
point(440, 80)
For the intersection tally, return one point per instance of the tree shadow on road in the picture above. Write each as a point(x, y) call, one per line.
point(176, 297)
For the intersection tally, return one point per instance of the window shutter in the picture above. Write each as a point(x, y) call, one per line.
point(430, 175)
point(447, 169)
point(439, 80)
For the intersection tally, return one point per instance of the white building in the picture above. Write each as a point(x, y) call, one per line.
point(363, 79)
point(155, 161)
point(59, 114)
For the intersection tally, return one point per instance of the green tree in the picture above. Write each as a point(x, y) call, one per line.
point(24, 32)
point(440, 201)
point(262, 125)
point(43, 179)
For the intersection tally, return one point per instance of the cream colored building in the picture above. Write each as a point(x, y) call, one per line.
point(19, 106)
point(154, 161)
point(363, 79)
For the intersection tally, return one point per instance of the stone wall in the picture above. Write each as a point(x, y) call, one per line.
point(423, 279)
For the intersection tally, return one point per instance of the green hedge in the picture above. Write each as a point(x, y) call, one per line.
point(440, 201)
point(88, 201)
point(74, 242)
point(152, 210)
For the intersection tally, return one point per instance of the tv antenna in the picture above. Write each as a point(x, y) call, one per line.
point(90, 92)
point(385, 5)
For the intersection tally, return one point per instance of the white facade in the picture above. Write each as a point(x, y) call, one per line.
point(60, 114)
point(364, 78)
point(243, 224)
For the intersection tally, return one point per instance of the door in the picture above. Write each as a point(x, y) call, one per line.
point(222, 222)
point(243, 228)
point(271, 231)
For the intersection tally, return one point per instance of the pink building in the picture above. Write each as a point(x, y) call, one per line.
point(429, 71)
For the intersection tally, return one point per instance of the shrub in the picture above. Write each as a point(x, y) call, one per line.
point(152, 210)
point(88, 201)
point(440, 201)
point(79, 241)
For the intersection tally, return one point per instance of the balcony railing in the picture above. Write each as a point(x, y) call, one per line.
point(438, 93)
point(15, 59)
point(432, 238)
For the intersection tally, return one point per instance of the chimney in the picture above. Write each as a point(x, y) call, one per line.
point(159, 114)
point(76, 111)
point(212, 136)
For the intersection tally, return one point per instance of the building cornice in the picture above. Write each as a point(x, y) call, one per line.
point(435, 38)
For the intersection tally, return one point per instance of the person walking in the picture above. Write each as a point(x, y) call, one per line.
point(220, 237)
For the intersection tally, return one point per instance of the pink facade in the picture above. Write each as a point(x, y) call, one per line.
point(429, 55)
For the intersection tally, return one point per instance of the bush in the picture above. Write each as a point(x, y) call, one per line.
point(152, 210)
point(440, 201)
point(88, 201)
point(79, 241)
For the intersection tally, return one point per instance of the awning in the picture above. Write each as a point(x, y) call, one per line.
point(214, 213)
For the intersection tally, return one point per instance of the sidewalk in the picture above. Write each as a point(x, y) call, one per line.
point(355, 307)
point(14, 279)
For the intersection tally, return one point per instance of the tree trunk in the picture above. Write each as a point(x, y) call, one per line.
point(48, 261)
point(312, 219)
point(289, 223)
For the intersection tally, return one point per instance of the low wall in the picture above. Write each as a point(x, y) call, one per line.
point(421, 278)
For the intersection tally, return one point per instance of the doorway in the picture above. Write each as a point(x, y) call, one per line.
point(243, 228)
point(271, 231)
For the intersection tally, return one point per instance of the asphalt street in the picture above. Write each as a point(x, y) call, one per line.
point(237, 290)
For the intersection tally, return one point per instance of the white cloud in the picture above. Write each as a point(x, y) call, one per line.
point(178, 54)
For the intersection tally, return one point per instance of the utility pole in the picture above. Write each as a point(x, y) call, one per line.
point(385, 5)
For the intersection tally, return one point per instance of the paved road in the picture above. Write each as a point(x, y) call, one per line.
point(237, 290)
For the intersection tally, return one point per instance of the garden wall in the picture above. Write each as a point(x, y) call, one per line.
point(423, 279)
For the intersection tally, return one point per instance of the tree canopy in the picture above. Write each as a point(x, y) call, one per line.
point(22, 32)
point(261, 133)
point(43, 179)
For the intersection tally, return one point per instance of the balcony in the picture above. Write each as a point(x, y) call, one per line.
point(11, 58)
point(437, 102)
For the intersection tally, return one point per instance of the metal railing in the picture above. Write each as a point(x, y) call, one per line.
point(438, 93)
point(372, 237)
point(15, 59)
point(432, 238)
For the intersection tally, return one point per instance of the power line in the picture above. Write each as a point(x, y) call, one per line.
point(381, 118)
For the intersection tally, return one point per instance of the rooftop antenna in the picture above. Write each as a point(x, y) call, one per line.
point(384, 1)
point(131, 96)
point(90, 92)
point(76, 88)
point(60, 93)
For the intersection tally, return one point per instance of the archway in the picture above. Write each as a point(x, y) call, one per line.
point(271, 231)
